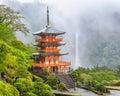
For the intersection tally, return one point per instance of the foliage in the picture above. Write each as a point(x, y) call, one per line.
point(61, 86)
point(85, 77)
point(75, 74)
point(12, 19)
point(19, 45)
point(8, 63)
point(83, 70)
point(37, 79)
point(114, 83)
point(15, 58)
point(94, 78)
point(52, 80)
point(78, 84)
point(8, 90)
point(23, 85)
point(118, 70)
point(41, 89)
point(100, 68)
point(30, 94)
point(103, 75)
point(6, 33)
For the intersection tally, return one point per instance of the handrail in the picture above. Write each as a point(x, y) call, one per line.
point(49, 40)
point(49, 64)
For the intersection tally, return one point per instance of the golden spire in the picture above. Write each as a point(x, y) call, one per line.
point(48, 25)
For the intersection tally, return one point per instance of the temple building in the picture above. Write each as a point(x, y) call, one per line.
point(48, 56)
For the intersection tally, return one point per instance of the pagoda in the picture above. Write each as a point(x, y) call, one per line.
point(49, 56)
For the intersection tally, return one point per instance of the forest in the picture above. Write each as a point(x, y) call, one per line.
point(16, 58)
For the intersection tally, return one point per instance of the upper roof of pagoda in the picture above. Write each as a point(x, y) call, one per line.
point(48, 30)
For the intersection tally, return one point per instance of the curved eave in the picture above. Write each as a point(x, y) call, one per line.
point(49, 44)
point(49, 31)
point(49, 54)
point(44, 33)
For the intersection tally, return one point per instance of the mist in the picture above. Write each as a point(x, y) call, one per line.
point(92, 28)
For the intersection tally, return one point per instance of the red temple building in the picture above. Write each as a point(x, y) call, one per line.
point(49, 56)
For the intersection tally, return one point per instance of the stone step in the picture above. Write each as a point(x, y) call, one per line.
point(67, 79)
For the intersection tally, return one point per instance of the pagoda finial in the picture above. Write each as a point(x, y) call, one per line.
point(48, 25)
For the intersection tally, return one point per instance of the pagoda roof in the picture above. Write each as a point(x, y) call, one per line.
point(49, 54)
point(49, 30)
point(49, 44)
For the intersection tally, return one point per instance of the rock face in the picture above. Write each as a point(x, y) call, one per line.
point(66, 79)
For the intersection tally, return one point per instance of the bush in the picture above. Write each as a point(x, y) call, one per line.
point(52, 80)
point(103, 75)
point(78, 84)
point(104, 82)
point(85, 77)
point(54, 87)
point(115, 83)
point(23, 85)
point(30, 94)
point(41, 89)
point(61, 86)
point(37, 79)
point(8, 90)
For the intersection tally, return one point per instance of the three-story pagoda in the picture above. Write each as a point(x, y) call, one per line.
point(49, 54)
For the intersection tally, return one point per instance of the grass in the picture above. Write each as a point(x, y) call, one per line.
point(113, 87)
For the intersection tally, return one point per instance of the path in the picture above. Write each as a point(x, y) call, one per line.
point(84, 92)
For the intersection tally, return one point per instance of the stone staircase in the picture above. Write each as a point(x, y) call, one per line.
point(66, 79)
point(42, 75)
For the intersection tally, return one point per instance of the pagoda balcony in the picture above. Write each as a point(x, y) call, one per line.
point(50, 50)
point(50, 64)
point(64, 63)
point(49, 40)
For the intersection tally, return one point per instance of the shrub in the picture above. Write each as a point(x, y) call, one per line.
point(103, 75)
point(23, 85)
point(54, 87)
point(78, 84)
point(8, 90)
point(61, 86)
point(30, 94)
point(115, 83)
point(41, 89)
point(52, 80)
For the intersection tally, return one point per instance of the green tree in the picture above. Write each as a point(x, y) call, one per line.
point(41, 89)
point(85, 77)
point(75, 74)
point(61, 86)
point(30, 94)
point(118, 70)
point(8, 90)
point(24, 85)
point(12, 19)
point(52, 80)
point(103, 75)
point(6, 33)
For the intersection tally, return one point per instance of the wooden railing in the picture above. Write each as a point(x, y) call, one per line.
point(50, 50)
point(49, 40)
point(49, 64)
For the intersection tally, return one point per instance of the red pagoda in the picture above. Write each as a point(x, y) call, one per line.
point(49, 54)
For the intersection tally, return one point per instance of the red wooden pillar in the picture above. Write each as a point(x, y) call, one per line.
point(60, 69)
point(64, 68)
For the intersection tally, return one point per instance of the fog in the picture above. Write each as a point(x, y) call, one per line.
point(91, 26)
